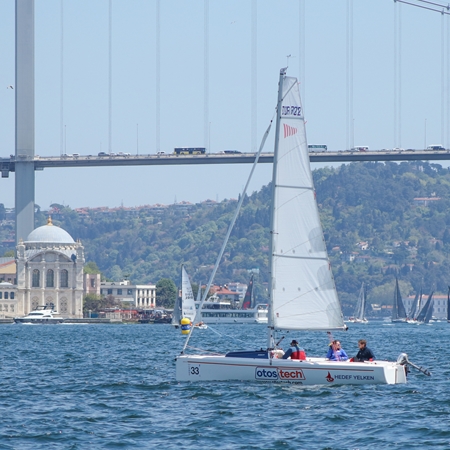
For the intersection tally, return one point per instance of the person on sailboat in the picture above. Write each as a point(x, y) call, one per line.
point(364, 354)
point(335, 352)
point(295, 352)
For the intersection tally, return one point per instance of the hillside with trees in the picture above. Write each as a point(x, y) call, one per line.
point(380, 221)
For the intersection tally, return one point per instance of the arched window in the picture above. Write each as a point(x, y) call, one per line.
point(64, 278)
point(50, 278)
point(36, 276)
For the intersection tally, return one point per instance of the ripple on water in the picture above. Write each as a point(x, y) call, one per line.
point(106, 386)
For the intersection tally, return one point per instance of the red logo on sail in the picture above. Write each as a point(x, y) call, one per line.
point(329, 378)
point(289, 131)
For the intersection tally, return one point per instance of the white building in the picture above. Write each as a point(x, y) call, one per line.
point(49, 270)
point(140, 295)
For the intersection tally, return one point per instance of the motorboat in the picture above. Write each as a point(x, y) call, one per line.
point(41, 315)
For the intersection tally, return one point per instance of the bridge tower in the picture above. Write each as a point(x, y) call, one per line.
point(24, 90)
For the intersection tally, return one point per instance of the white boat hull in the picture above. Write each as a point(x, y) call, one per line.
point(313, 371)
point(52, 320)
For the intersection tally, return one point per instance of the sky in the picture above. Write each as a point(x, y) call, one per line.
point(391, 108)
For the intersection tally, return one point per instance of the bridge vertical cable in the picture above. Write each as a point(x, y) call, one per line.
point(253, 72)
point(448, 83)
point(349, 79)
point(206, 128)
point(110, 77)
point(400, 75)
point(396, 75)
point(61, 80)
point(442, 79)
point(158, 78)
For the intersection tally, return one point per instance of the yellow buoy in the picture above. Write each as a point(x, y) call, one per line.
point(185, 325)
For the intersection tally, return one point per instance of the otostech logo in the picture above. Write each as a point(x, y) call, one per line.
point(278, 374)
point(262, 373)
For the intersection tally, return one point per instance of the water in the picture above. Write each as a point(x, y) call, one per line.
point(113, 386)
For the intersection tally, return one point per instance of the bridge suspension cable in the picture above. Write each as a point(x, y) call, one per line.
point(440, 5)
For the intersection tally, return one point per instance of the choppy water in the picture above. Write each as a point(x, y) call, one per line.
point(113, 386)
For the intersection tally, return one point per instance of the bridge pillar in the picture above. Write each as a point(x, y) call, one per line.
point(24, 89)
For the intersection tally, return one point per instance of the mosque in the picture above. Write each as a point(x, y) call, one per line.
point(49, 270)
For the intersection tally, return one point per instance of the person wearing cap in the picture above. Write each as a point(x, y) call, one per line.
point(295, 352)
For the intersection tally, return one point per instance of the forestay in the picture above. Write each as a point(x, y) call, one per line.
point(303, 292)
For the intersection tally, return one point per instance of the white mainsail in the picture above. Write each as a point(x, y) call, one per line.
point(303, 293)
point(187, 297)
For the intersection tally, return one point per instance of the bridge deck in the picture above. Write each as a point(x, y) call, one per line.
point(41, 162)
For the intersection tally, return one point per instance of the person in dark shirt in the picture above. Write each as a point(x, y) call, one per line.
point(364, 354)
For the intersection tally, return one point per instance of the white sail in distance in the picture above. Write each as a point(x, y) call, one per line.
point(303, 295)
point(187, 297)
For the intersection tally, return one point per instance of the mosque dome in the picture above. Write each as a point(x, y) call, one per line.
point(50, 233)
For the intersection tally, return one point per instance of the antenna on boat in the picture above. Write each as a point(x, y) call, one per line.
point(287, 62)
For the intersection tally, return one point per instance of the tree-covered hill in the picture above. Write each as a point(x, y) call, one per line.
point(375, 225)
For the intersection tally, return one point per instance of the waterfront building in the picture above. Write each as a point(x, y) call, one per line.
point(8, 270)
point(142, 296)
point(91, 283)
point(49, 271)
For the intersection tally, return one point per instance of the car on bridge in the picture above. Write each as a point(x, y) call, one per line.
point(436, 147)
point(102, 154)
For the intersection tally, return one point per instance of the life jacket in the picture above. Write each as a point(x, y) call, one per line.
point(298, 353)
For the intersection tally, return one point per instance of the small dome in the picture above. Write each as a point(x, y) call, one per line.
point(50, 233)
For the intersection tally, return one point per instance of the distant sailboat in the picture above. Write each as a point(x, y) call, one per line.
point(398, 308)
point(360, 311)
point(185, 304)
point(176, 315)
point(427, 310)
point(248, 299)
point(415, 307)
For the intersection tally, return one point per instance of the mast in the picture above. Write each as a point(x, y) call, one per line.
point(363, 303)
point(270, 328)
point(448, 305)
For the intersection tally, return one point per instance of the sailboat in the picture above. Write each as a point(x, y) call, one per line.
point(248, 298)
point(360, 311)
point(415, 308)
point(176, 315)
point(426, 312)
point(302, 292)
point(185, 304)
point(398, 308)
